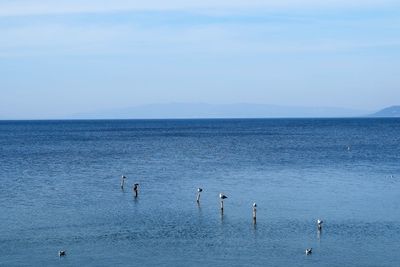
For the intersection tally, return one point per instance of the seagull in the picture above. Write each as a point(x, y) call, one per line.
point(319, 224)
point(308, 251)
point(199, 190)
point(61, 253)
point(123, 177)
point(222, 197)
point(254, 212)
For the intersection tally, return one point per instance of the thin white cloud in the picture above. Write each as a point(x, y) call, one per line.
point(129, 40)
point(62, 37)
point(44, 7)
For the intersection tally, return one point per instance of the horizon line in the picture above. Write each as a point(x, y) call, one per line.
point(204, 118)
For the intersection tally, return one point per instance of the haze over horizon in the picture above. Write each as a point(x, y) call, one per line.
point(70, 57)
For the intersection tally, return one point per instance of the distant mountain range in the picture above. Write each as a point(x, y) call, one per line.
point(202, 110)
point(393, 111)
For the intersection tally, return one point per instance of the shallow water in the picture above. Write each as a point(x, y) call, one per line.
point(59, 185)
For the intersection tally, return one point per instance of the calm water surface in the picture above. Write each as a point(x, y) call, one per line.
point(59, 189)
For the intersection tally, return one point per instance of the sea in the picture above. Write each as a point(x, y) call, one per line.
point(60, 190)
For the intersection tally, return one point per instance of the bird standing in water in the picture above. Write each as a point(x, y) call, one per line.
point(254, 212)
point(123, 177)
point(319, 224)
point(61, 253)
point(222, 197)
point(199, 190)
point(136, 189)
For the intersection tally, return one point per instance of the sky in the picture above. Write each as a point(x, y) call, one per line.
point(64, 57)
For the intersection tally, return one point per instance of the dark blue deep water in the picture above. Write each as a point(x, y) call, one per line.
point(59, 189)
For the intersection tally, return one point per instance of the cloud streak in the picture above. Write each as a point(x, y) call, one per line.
point(59, 39)
point(51, 7)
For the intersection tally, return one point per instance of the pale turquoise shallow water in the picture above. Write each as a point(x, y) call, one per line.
point(59, 189)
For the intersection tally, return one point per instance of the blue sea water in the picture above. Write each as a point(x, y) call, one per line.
point(59, 189)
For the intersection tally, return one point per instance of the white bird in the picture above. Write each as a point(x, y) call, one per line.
point(222, 196)
point(123, 177)
point(319, 224)
point(61, 253)
point(308, 251)
point(199, 190)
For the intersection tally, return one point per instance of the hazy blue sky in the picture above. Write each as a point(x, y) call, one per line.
point(63, 57)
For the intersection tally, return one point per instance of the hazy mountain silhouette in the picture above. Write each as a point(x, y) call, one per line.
point(202, 110)
point(393, 111)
